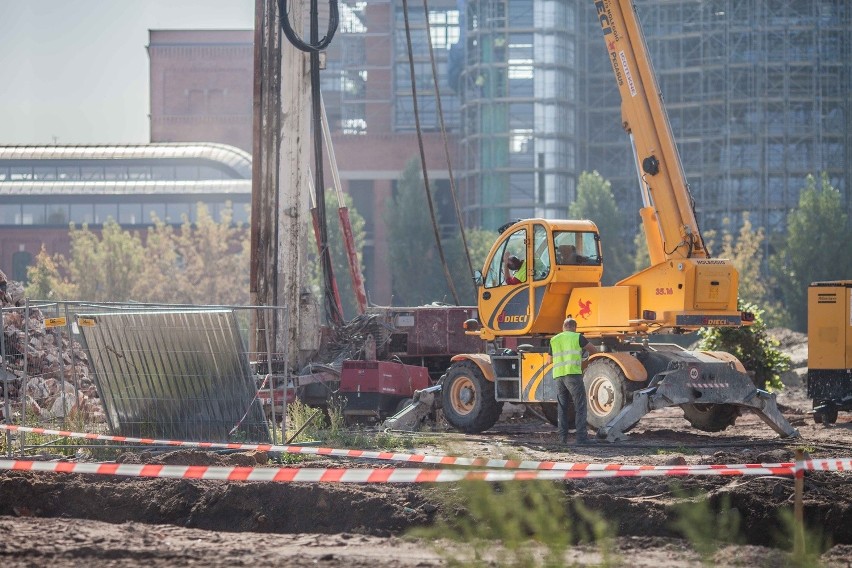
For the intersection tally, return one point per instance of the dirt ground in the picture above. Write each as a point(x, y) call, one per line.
point(71, 520)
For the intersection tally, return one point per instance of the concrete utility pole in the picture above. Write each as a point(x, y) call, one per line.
point(280, 185)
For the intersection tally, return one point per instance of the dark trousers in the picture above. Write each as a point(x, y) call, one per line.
point(570, 387)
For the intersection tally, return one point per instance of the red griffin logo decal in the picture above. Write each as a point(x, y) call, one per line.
point(585, 309)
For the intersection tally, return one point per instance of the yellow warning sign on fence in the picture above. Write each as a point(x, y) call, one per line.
point(86, 322)
point(54, 322)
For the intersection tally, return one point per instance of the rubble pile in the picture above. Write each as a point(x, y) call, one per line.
point(47, 374)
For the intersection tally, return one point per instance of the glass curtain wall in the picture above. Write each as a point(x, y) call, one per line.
point(519, 91)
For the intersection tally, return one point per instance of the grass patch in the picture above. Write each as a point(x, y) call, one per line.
point(329, 429)
point(47, 444)
point(706, 529)
point(815, 541)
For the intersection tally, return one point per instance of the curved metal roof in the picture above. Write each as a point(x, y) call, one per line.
point(125, 187)
point(239, 161)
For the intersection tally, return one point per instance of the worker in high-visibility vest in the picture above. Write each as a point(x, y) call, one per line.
point(567, 349)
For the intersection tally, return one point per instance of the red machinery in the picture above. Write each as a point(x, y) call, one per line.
point(374, 390)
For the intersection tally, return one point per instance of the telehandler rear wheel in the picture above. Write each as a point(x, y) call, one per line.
point(710, 417)
point(468, 398)
point(608, 391)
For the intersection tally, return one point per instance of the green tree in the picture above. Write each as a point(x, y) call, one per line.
point(161, 258)
point(213, 258)
point(104, 268)
point(45, 280)
point(417, 276)
point(205, 262)
point(755, 349)
point(339, 260)
point(596, 202)
point(817, 247)
point(745, 253)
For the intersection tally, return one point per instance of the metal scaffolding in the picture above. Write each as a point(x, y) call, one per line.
point(758, 94)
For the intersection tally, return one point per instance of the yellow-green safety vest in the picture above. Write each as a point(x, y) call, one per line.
point(521, 273)
point(567, 354)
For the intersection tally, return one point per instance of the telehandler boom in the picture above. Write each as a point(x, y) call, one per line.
point(682, 291)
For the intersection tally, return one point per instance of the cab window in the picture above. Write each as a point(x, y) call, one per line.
point(515, 245)
point(576, 247)
point(541, 253)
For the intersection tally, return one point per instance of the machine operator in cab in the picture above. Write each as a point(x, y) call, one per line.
point(515, 270)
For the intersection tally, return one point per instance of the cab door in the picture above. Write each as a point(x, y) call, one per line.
point(542, 263)
point(503, 307)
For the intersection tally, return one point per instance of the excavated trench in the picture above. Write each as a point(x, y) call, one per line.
point(633, 507)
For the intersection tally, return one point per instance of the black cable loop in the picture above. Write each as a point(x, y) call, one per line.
point(298, 43)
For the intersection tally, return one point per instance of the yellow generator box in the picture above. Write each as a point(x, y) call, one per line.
point(830, 325)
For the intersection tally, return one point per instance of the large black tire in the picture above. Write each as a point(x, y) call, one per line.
point(828, 413)
point(710, 417)
point(607, 391)
point(468, 398)
point(551, 412)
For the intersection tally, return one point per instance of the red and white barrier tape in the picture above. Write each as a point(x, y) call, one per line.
point(844, 464)
point(387, 475)
point(485, 463)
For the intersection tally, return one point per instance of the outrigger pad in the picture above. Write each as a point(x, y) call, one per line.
point(412, 416)
point(717, 384)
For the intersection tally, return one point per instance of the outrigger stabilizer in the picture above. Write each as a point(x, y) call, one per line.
point(717, 383)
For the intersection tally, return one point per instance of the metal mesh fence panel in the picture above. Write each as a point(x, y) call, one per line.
point(173, 372)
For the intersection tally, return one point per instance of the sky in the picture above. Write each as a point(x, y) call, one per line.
point(76, 71)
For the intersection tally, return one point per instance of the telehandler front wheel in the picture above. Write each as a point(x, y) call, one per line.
point(468, 398)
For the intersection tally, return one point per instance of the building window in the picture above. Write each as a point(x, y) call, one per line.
point(445, 31)
point(44, 173)
point(21, 260)
point(104, 212)
point(82, 213)
point(242, 213)
point(33, 215)
point(130, 214)
point(176, 211)
point(10, 214)
point(444, 28)
point(57, 215)
point(152, 210)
